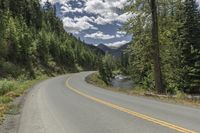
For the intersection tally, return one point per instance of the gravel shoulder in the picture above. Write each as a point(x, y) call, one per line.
point(12, 117)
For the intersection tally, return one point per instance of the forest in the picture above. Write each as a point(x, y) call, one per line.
point(164, 56)
point(33, 42)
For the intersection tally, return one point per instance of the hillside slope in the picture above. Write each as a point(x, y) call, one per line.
point(32, 41)
point(115, 52)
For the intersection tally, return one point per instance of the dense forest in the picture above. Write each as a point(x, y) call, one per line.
point(165, 53)
point(33, 42)
point(179, 45)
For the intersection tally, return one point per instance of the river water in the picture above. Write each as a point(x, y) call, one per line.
point(123, 82)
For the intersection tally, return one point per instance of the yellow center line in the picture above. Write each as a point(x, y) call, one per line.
point(136, 114)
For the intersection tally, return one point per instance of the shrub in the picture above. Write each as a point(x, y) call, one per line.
point(6, 86)
point(8, 69)
point(4, 99)
point(106, 69)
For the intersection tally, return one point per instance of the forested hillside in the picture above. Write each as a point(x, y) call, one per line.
point(33, 41)
point(178, 26)
point(116, 52)
point(164, 56)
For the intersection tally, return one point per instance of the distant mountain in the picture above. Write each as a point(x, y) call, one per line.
point(105, 48)
point(95, 49)
point(116, 52)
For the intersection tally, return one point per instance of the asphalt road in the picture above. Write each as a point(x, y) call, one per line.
point(67, 104)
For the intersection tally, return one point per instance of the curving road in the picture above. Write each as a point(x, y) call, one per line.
point(67, 104)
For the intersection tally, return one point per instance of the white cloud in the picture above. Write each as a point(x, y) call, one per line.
point(67, 8)
point(78, 24)
point(83, 15)
point(102, 21)
point(110, 17)
point(117, 44)
point(54, 1)
point(107, 11)
point(96, 7)
point(125, 17)
point(120, 34)
point(99, 35)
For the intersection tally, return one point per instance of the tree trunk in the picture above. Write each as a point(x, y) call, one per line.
point(156, 49)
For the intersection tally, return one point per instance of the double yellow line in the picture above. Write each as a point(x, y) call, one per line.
point(139, 115)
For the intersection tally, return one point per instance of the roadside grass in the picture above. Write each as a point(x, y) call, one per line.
point(95, 79)
point(179, 98)
point(9, 90)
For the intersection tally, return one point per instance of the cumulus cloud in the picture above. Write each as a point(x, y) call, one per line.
point(76, 25)
point(125, 17)
point(104, 11)
point(99, 35)
point(67, 8)
point(54, 1)
point(81, 17)
point(118, 43)
point(97, 7)
point(102, 21)
point(120, 34)
point(107, 11)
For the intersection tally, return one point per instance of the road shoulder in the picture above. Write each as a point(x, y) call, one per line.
point(12, 119)
point(94, 80)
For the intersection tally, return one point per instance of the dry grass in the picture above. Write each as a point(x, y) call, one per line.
point(13, 89)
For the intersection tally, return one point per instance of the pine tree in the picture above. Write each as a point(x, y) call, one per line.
point(106, 68)
point(156, 48)
point(47, 5)
point(190, 47)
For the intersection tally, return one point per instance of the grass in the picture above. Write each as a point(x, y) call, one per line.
point(179, 98)
point(13, 110)
point(9, 90)
point(96, 80)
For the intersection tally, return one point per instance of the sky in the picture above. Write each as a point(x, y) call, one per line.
point(94, 21)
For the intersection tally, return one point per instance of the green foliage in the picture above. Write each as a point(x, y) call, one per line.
point(6, 86)
point(124, 63)
point(8, 69)
point(34, 43)
point(179, 37)
point(106, 68)
point(4, 99)
point(96, 79)
point(190, 47)
point(32, 38)
point(10, 89)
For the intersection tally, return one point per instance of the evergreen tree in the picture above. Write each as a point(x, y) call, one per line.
point(33, 39)
point(106, 68)
point(190, 47)
point(170, 20)
point(156, 48)
point(47, 5)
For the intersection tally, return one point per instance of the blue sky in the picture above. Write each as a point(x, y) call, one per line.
point(95, 21)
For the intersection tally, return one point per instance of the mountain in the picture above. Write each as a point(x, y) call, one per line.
point(116, 52)
point(105, 48)
point(95, 49)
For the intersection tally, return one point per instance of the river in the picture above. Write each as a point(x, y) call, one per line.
point(123, 82)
